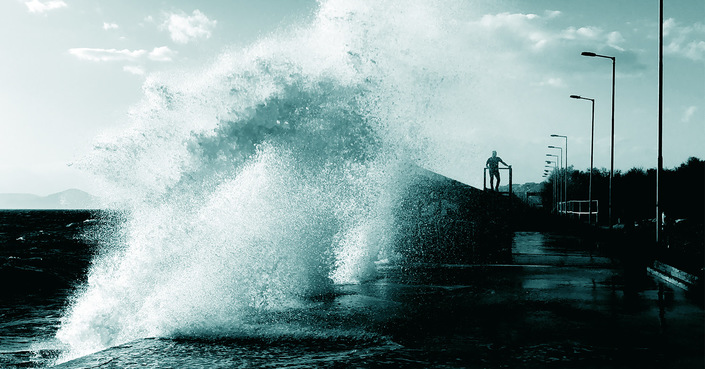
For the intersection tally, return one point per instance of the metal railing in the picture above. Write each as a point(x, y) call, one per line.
point(580, 209)
point(484, 180)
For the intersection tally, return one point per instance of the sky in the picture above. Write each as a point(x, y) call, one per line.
point(71, 69)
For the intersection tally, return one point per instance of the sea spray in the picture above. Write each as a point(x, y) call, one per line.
point(262, 179)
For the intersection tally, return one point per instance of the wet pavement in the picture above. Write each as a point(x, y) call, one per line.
point(557, 304)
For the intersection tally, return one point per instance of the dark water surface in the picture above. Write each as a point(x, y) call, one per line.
point(43, 257)
point(557, 304)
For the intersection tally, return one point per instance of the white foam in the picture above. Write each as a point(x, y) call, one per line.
point(263, 178)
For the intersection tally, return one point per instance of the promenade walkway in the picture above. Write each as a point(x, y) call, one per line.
point(557, 304)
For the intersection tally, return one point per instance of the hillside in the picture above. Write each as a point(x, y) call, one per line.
point(69, 199)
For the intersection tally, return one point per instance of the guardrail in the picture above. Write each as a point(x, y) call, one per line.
point(580, 209)
point(484, 180)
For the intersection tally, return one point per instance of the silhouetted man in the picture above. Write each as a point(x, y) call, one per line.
point(493, 165)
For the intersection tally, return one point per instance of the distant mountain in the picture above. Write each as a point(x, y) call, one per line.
point(69, 199)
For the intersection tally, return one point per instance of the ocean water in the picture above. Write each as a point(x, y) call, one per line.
point(44, 257)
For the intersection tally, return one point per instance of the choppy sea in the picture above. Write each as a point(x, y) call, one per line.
point(43, 258)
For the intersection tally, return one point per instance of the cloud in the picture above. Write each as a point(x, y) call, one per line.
point(668, 26)
point(552, 13)
point(184, 28)
point(506, 20)
point(134, 69)
point(161, 54)
point(36, 6)
point(528, 38)
point(684, 41)
point(582, 33)
point(96, 55)
point(536, 33)
point(614, 39)
point(594, 35)
point(695, 50)
point(688, 113)
point(516, 27)
point(108, 26)
point(553, 82)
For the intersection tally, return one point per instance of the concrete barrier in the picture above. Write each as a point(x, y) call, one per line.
point(673, 275)
point(446, 221)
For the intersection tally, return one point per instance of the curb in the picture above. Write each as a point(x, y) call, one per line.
point(672, 275)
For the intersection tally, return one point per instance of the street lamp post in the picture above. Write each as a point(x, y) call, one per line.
point(591, 54)
point(547, 172)
point(659, 169)
point(566, 165)
point(592, 140)
point(563, 174)
point(545, 175)
point(557, 185)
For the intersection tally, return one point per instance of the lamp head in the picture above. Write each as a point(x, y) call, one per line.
point(588, 53)
point(575, 97)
